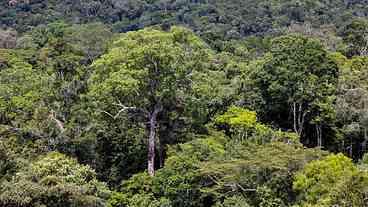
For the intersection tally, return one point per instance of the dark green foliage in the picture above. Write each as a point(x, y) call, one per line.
point(355, 37)
point(114, 149)
point(298, 80)
point(214, 20)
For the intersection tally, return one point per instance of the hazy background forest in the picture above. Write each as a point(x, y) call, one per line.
point(183, 103)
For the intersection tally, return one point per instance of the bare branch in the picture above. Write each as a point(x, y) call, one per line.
point(245, 190)
point(112, 116)
point(123, 109)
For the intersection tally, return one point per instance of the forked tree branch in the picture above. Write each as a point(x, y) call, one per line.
point(124, 109)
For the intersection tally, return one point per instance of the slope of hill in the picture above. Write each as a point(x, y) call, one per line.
point(226, 18)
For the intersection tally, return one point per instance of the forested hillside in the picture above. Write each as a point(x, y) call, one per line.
point(214, 20)
point(183, 103)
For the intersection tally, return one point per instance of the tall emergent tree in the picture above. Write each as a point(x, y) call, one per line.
point(298, 79)
point(146, 74)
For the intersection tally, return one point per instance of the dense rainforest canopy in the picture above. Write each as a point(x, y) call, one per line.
point(183, 103)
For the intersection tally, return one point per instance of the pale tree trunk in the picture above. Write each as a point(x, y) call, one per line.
point(294, 117)
point(298, 118)
point(152, 139)
point(319, 135)
point(351, 147)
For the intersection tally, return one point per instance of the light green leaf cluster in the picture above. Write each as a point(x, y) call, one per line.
point(22, 88)
point(244, 126)
point(334, 180)
point(238, 117)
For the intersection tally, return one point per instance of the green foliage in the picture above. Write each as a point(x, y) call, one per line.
point(17, 150)
point(157, 57)
point(240, 121)
point(235, 201)
point(351, 102)
point(334, 180)
point(177, 183)
point(209, 170)
point(225, 107)
point(242, 124)
point(355, 36)
point(247, 169)
point(120, 200)
point(214, 89)
point(298, 80)
point(7, 164)
point(22, 90)
point(115, 150)
point(216, 21)
point(238, 117)
point(90, 39)
point(54, 180)
point(145, 73)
